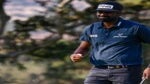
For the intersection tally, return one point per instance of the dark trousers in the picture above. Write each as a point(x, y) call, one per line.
point(129, 75)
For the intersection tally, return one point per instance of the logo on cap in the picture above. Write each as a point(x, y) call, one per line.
point(105, 6)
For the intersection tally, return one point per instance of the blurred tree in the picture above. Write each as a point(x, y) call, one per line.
point(3, 17)
point(60, 19)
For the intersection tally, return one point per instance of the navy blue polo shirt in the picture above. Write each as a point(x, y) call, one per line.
point(119, 45)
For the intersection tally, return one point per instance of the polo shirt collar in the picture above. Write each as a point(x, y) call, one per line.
point(118, 24)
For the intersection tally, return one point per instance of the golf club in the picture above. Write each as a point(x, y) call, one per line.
point(143, 79)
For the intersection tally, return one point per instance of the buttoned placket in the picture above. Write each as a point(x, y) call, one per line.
point(106, 35)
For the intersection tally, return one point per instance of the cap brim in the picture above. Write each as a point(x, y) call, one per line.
point(107, 10)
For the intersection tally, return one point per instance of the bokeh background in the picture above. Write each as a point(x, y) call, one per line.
point(37, 37)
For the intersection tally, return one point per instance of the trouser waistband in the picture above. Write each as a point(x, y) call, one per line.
point(114, 66)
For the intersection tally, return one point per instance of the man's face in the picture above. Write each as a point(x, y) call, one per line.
point(107, 16)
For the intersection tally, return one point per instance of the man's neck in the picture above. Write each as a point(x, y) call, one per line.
point(108, 25)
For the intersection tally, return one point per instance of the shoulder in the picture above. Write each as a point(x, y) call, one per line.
point(136, 26)
point(131, 23)
point(93, 26)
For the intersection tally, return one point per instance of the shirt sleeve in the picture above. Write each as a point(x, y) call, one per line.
point(85, 34)
point(144, 33)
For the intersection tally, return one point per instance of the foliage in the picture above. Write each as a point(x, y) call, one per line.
point(59, 21)
point(65, 20)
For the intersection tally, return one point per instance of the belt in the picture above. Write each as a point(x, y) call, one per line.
point(111, 66)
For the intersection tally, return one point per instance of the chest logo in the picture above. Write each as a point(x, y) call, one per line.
point(120, 35)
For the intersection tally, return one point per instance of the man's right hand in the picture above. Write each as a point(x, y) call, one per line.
point(76, 57)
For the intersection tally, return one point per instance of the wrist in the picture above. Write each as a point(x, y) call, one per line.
point(81, 51)
point(79, 54)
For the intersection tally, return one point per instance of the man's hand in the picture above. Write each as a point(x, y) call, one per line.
point(76, 57)
point(146, 73)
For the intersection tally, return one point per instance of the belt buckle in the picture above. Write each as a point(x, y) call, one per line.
point(115, 67)
point(110, 67)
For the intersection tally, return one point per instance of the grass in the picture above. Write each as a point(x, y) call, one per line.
point(45, 72)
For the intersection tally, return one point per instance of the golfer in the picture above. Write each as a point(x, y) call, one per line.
point(115, 45)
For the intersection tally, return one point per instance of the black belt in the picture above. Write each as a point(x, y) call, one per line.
point(111, 66)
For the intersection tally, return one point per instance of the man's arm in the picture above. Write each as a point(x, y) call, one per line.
point(83, 48)
point(143, 33)
point(80, 51)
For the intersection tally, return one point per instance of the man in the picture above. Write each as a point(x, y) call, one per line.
point(115, 47)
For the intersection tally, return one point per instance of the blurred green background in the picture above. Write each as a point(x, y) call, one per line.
point(36, 49)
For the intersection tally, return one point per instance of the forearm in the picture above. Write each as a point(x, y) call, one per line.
point(83, 48)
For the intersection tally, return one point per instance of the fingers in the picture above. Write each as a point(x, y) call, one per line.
point(76, 57)
point(146, 73)
point(144, 76)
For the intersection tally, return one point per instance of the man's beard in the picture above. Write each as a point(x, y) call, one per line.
point(108, 19)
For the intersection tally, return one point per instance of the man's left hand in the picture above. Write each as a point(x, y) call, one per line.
point(146, 73)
